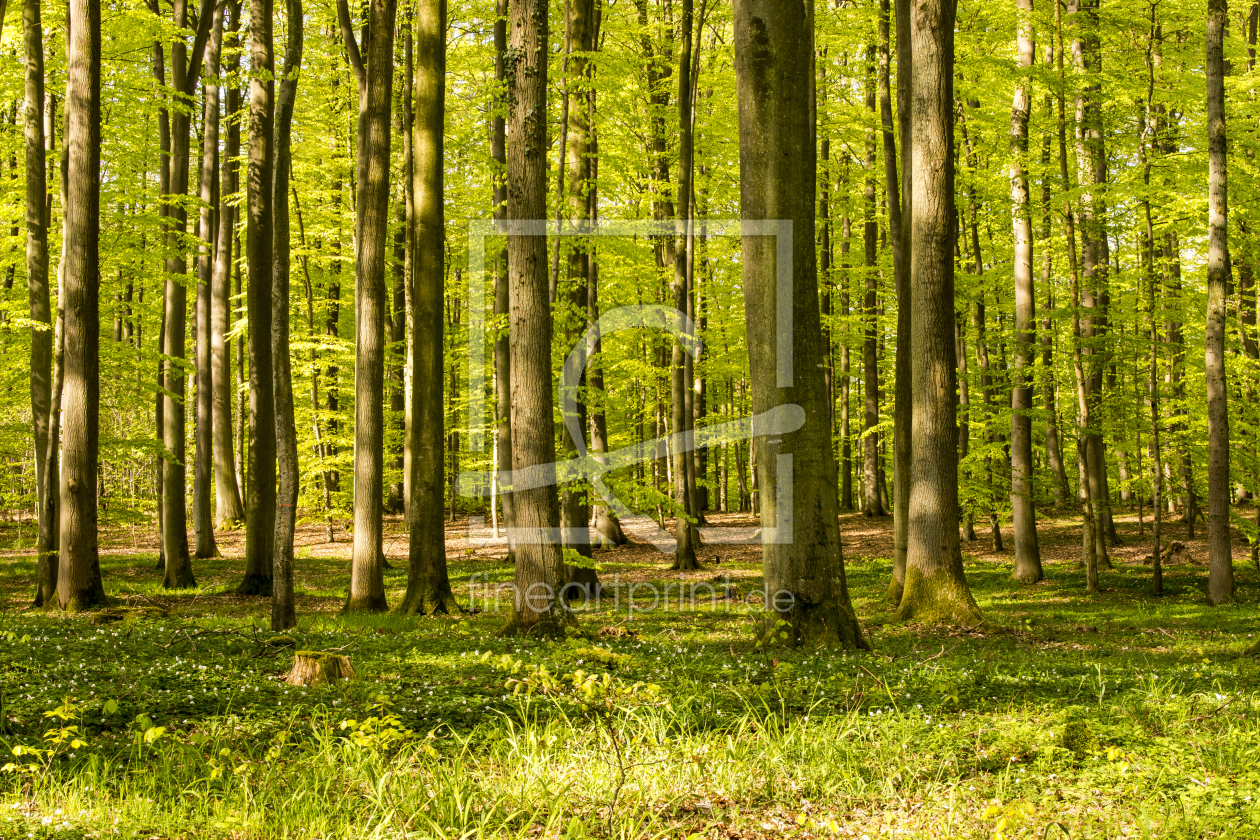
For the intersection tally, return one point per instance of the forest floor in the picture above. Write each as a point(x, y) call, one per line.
point(1116, 716)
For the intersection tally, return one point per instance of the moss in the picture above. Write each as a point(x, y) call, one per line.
point(1080, 738)
point(825, 624)
point(939, 599)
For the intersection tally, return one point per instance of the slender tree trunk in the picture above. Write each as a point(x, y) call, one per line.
point(1027, 568)
point(900, 238)
point(1220, 552)
point(502, 351)
point(801, 553)
point(536, 605)
point(872, 505)
point(846, 432)
point(228, 507)
point(40, 305)
point(936, 588)
point(1054, 452)
point(203, 460)
point(79, 572)
point(375, 72)
point(428, 583)
point(685, 532)
point(282, 610)
point(260, 497)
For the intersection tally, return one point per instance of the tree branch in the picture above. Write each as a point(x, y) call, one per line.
point(352, 46)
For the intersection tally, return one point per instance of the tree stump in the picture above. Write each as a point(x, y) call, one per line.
point(317, 667)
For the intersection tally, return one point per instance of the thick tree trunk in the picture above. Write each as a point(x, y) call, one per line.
point(228, 507)
point(260, 497)
point(79, 572)
point(287, 474)
point(536, 604)
point(796, 469)
point(375, 73)
point(203, 460)
point(936, 588)
point(1220, 553)
point(428, 584)
point(1027, 568)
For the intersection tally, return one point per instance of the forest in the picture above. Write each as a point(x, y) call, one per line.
point(629, 419)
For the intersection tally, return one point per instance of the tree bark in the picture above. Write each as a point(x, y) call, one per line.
point(79, 573)
point(282, 610)
point(375, 73)
point(870, 362)
point(803, 565)
point(260, 497)
point(203, 459)
point(1027, 568)
point(936, 588)
point(228, 507)
point(428, 583)
point(37, 220)
point(502, 351)
point(536, 605)
point(1220, 553)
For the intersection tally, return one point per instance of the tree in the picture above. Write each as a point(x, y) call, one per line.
point(1027, 552)
point(228, 506)
point(935, 588)
point(375, 74)
point(872, 505)
point(428, 583)
point(1220, 552)
point(804, 567)
point(203, 459)
point(536, 605)
point(79, 573)
point(37, 223)
point(260, 496)
point(282, 611)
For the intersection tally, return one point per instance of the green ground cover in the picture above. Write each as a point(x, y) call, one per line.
point(1121, 716)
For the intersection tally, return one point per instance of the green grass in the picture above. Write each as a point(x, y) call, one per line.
point(1120, 716)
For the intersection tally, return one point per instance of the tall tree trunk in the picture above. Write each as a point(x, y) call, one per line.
point(574, 505)
point(1027, 567)
point(502, 351)
point(846, 432)
point(79, 572)
point(37, 220)
point(203, 460)
point(801, 553)
point(375, 73)
point(260, 496)
point(536, 605)
point(1220, 553)
point(428, 584)
point(287, 474)
point(900, 239)
point(936, 588)
point(685, 531)
point(228, 507)
point(870, 363)
point(1054, 452)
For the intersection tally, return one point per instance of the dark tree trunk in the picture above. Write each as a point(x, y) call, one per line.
point(203, 460)
point(282, 611)
point(935, 588)
point(1220, 553)
point(801, 552)
point(428, 583)
point(260, 496)
point(37, 205)
point(79, 572)
point(502, 352)
point(375, 73)
point(870, 362)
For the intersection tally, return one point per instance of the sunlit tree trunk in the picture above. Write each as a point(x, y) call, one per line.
point(79, 572)
point(1220, 554)
point(774, 45)
point(935, 588)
